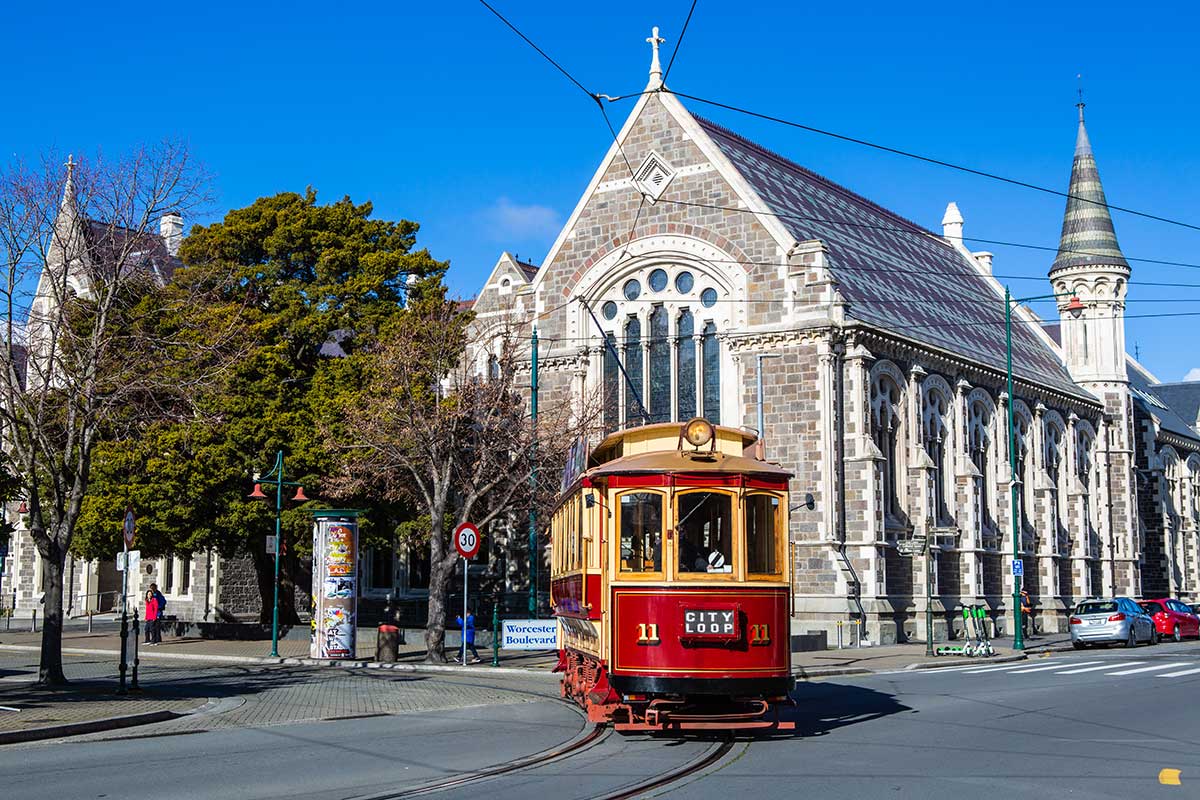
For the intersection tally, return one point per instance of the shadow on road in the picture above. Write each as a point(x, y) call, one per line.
point(824, 707)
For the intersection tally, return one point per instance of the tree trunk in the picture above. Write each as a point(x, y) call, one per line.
point(435, 624)
point(50, 672)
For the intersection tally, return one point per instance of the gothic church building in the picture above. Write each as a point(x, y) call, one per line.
point(702, 257)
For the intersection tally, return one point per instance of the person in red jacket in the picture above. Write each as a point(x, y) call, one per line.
point(153, 634)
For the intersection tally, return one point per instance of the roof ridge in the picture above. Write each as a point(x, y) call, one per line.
point(831, 184)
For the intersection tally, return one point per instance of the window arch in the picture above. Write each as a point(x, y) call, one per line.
point(885, 432)
point(980, 414)
point(1022, 428)
point(935, 433)
point(1053, 448)
point(670, 343)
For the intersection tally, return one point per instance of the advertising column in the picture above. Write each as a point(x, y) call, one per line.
point(335, 584)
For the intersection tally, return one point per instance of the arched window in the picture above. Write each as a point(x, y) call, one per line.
point(1052, 458)
point(1021, 434)
point(935, 432)
point(612, 384)
point(711, 360)
point(885, 430)
point(686, 359)
point(659, 401)
point(979, 447)
point(635, 387)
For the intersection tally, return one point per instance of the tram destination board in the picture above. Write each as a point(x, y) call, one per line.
point(710, 623)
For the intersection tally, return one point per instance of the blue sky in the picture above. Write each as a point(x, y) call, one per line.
point(437, 113)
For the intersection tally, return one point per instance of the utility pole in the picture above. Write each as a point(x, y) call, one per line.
point(533, 475)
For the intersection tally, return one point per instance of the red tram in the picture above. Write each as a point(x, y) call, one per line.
point(671, 581)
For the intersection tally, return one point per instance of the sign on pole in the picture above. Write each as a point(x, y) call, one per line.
point(270, 545)
point(1018, 567)
point(466, 540)
point(530, 634)
point(128, 527)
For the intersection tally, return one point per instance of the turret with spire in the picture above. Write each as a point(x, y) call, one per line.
point(1090, 266)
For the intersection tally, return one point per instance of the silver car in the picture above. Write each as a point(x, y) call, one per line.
point(1116, 620)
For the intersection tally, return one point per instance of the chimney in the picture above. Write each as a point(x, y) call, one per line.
point(984, 259)
point(952, 224)
point(170, 227)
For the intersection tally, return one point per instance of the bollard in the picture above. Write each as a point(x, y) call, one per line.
point(858, 632)
point(33, 622)
point(91, 616)
point(133, 683)
point(495, 635)
point(387, 643)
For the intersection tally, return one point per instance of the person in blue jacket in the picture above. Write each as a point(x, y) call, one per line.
point(468, 629)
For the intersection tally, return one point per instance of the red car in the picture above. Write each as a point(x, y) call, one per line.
point(1172, 618)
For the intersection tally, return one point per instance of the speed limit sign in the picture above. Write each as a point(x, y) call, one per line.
point(466, 540)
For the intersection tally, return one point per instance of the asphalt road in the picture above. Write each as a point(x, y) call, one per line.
point(1067, 725)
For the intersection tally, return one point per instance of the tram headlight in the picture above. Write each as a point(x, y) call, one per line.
point(698, 432)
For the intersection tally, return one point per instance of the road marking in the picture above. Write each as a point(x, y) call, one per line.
point(1150, 669)
point(1168, 777)
point(1053, 666)
point(1179, 674)
point(1001, 668)
point(1093, 669)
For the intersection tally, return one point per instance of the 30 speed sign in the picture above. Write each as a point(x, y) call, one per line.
point(466, 540)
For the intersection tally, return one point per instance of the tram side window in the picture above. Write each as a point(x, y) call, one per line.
point(641, 532)
point(762, 520)
point(705, 530)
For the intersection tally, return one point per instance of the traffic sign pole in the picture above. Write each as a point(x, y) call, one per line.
point(466, 542)
point(464, 617)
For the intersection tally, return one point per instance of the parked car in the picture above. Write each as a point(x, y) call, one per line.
point(1172, 618)
point(1118, 619)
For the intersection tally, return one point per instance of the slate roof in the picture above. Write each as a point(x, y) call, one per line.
point(1182, 397)
point(1088, 238)
point(1149, 394)
point(148, 253)
point(530, 270)
point(895, 274)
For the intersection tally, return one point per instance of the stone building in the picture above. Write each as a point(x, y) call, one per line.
point(696, 257)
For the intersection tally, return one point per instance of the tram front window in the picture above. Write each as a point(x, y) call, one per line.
point(641, 532)
point(705, 530)
point(762, 514)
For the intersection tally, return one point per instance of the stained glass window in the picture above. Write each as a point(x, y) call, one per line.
point(686, 377)
point(684, 282)
point(711, 355)
point(708, 298)
point(612, 386)
point(609, 310)
point(632, 290)
point(660, 366)
point(633, 368)
point(658, 280)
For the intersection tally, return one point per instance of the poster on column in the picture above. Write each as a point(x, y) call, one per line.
point(335, 589)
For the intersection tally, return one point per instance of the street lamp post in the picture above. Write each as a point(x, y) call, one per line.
point(275, 478)
point(1009, 303)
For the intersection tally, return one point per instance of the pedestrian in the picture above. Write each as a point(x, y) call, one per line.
point(162, 607)
point(153, 611)
point(468, 629)
point(1026, 612)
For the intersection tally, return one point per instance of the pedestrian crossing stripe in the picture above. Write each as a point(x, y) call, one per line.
point(1044, 668)
point(1153, 668)
point(1109, 665)
point(1179, 674)
point(1001, 668)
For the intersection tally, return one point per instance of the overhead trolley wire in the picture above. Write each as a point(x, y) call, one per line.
point(929, 159)
point(679, 41)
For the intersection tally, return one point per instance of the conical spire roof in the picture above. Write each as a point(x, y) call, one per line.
point(1088, 238)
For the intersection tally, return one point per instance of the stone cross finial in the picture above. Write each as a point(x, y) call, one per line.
point(654, 41)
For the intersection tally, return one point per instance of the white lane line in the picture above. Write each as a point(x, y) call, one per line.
point(1152, 668)
point(1053, 666)
point(915, 671)
point(1179, 674)
point(1104, 666)
point(1001, 668)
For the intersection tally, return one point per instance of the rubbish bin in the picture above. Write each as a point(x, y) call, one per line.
point(387, 643)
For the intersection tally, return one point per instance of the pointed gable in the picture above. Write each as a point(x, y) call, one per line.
point(895, 275)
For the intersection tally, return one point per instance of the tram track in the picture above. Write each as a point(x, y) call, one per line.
point(715, 755)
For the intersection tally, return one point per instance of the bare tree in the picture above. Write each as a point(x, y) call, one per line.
point(87, 329)
point(430, 427)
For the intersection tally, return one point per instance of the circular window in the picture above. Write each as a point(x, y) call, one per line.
point(658, 280)
point(684, 282)
point(632, 290)
point(708, 298)
point(609, 309)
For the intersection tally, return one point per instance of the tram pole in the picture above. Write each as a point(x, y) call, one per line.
point(533, 413)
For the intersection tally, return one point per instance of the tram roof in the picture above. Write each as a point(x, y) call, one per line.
point(689, 462)
point(665, 436)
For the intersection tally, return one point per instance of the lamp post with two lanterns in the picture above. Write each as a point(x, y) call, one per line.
point(275, 478)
